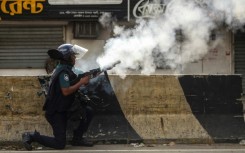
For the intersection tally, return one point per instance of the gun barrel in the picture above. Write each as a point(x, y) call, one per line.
point(110, 66)
point(94, 72)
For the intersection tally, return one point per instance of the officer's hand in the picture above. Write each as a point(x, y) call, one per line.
point(85, 80)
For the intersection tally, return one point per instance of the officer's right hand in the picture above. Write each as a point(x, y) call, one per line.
point(85, 80)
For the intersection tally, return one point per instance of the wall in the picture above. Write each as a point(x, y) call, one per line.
point(219, 58)
point(220, 53)
point(153, 109)
point(21, 107)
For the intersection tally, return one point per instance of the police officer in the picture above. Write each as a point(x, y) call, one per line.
point(61, 95)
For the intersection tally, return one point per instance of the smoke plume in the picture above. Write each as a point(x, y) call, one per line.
point(178, 36)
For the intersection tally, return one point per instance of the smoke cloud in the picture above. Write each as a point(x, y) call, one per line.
point(106, 20)
point(178, 36)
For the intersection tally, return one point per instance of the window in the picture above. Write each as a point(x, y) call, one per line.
point(86, 29)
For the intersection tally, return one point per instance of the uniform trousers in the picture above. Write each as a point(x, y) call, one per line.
point(58, 122)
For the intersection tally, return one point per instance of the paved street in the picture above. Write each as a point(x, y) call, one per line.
point(217, 148)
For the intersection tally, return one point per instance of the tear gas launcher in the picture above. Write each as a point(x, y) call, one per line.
point(94, 72)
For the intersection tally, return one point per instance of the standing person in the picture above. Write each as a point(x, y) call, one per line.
point(61, 95)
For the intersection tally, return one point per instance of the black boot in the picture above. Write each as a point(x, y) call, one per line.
point(28, 138)
point(81, 142)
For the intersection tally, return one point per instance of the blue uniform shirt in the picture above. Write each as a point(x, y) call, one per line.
point(64, 79)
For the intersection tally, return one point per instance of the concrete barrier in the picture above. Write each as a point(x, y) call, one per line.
point(21, 107)
point(153, 109)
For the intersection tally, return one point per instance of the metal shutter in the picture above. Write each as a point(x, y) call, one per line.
point(26, 47)
point(240, 56)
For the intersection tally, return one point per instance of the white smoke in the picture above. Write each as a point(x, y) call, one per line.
point(106, 20)
point(153, 42)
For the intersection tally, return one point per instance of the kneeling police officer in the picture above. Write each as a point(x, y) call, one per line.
point(61, 95)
